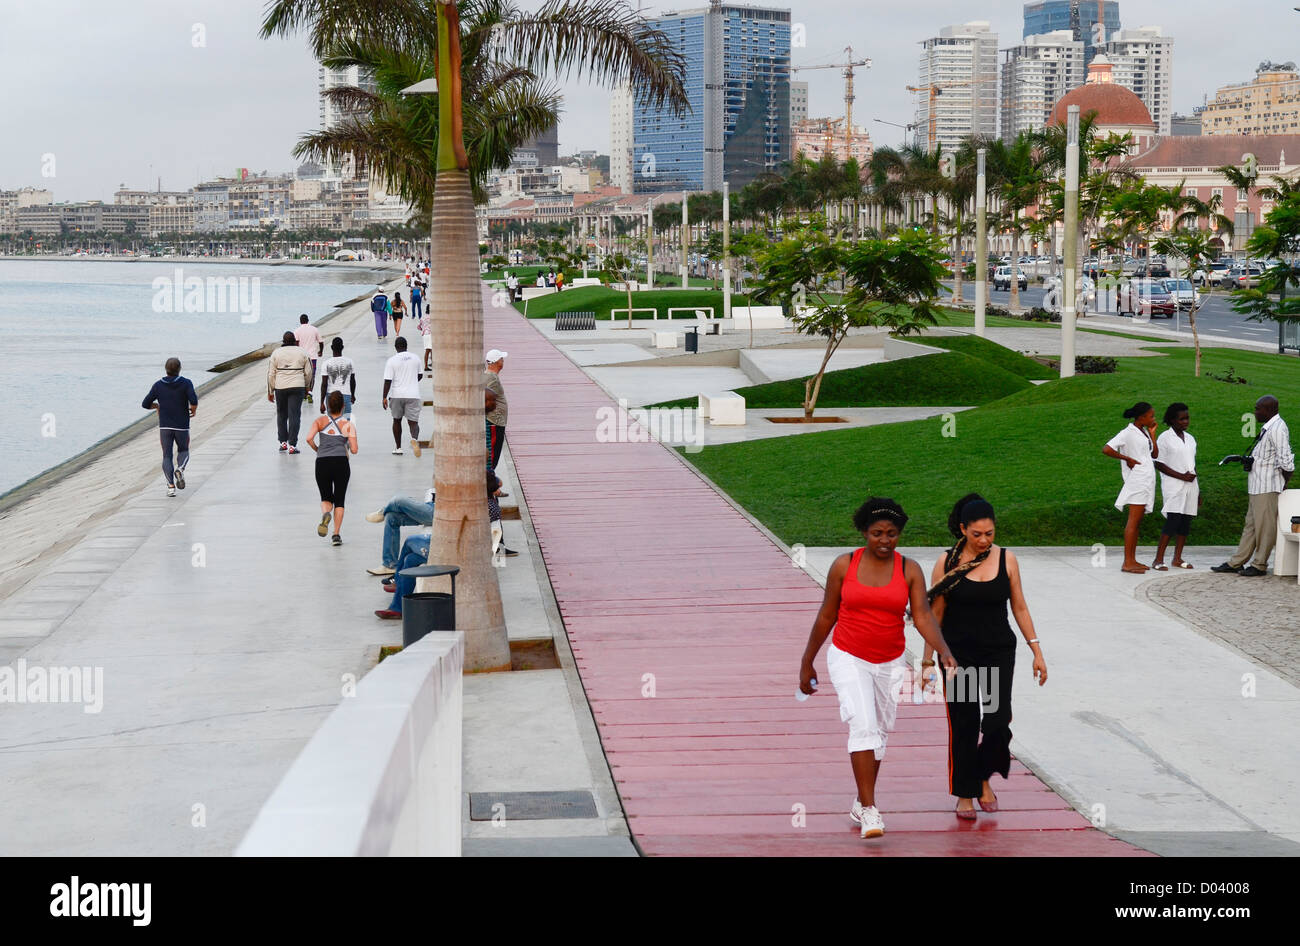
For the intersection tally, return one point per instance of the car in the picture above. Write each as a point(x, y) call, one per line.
point(1085, 293)
point(1146, 297)
point(1153, 269)
point(1209, 276)
point(1002, 278)
point(1184, 293)
point(1242, 277)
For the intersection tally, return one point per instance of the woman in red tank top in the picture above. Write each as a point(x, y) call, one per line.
point(867, 595)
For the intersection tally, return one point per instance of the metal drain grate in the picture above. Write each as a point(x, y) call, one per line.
point(531, 806)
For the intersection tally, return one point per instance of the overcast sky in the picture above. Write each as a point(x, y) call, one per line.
point(120, 91)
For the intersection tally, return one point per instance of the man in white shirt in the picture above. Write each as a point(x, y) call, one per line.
point(338, 374)
point(402, 395)
point(1269, 466)
point(309, 340)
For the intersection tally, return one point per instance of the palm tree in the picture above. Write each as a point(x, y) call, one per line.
point(600, 39)
point(1016, 171)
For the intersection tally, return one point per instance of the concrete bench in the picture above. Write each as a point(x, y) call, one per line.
point(726, 409)
point(583, 281)
point(760, 316)
point(1287, 556)
point(665, 339)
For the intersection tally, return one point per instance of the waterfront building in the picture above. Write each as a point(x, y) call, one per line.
point(11, 201)
point(738, 84)
point(1269, 104)
point(1035, 75)
point(816, 136)
point(958, 81)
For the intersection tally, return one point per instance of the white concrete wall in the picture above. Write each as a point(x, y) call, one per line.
point(382, 775)
point(897, 349)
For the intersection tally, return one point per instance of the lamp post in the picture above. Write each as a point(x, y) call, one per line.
point(981, 242)
point(726, 253)
point(1070, 252)
point(685, 240)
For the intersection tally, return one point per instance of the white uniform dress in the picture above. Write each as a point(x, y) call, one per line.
point(1178, 453)
point(1139, 482)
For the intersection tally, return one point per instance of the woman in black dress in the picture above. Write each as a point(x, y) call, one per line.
point(972, 585)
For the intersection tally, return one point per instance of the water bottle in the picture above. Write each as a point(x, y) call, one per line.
point(800, 695)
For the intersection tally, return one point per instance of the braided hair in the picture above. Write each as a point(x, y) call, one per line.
point(970, 508)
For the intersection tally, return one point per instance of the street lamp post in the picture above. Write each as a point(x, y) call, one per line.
point(726, 252)
point(981, 243)
point(685, 240)
point(1071, 250)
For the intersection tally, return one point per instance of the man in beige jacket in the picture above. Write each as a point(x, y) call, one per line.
point(288, 379)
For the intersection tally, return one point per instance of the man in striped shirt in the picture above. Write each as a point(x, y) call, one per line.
point(1268, 476)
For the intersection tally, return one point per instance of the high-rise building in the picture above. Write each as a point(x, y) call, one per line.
point(332, 115)
point(1142, 61)
point(738, 83)
point(1035, 75)
point(798, 103)
point(620, 139)
point(1267, 105)
point(540, 150)
point(958, 83)
point(1077, 16)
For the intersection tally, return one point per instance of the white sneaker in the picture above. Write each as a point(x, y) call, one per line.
point(171, 490)
point(397, 451)
point(855, 813)
point(873, 826)
point(376, 516)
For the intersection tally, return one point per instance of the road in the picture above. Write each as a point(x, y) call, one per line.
point(1214, 320)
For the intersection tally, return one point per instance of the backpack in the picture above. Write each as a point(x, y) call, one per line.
point(379, 304)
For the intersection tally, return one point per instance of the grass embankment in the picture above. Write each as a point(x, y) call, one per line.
point(952, 378)
point(1036, 455)
point(600, 300)
point(992, 352)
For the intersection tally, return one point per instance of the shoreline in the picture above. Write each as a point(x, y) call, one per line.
point(34, 485)
point(225, 260)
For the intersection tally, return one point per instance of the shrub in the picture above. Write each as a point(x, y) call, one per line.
point(1230, 377)
point(1094, 364)
point(1039, 314)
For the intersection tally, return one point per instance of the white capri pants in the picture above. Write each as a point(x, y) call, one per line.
point(866, 696)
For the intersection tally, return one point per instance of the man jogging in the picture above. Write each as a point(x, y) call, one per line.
point(379, 306)
point(402, 395)
point(309, 340)
point(175, 400)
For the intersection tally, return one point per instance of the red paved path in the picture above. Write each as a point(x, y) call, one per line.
point(656, 574)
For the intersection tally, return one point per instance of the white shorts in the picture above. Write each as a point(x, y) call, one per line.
point(866, 693)
point(428, 343)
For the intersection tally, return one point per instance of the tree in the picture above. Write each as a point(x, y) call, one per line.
point(892, 283)
point(1278, 238)
point(1016, 172)
point(600, 39)
point(1194, 246)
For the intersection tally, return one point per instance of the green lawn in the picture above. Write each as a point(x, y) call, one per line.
point(982, 348)
point(1036, 455)
point(952, 378)
point(600, 300)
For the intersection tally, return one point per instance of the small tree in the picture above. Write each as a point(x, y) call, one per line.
point(1278, 238)
point(1195, 247)
point(892, 282)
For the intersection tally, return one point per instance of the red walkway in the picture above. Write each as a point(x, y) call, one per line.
point(666, 589)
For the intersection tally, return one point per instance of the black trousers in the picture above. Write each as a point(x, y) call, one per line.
point(332, 475)
point(978, 701)
point(288, 413)
point(498, 441)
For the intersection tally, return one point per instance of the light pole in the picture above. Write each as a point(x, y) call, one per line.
point(981, 243)
point(685, 240)
point(1071, 249)
point(726, 253)
point(650, 243)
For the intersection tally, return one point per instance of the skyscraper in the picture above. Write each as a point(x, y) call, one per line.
point(331, 115)
point(958, 85)
point(1077, 16)
point(1035, 75)
point(621, 111)
point(738, 83)
point(1142, 61)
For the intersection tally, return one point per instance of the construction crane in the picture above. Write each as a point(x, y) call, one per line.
point(934, 89)
point(849, 65)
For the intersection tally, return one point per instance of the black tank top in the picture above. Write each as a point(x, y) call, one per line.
point(976, 612)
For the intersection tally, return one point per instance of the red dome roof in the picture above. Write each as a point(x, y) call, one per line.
point(1114, 105)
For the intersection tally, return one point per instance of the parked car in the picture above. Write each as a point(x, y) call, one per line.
point(1085, 294)
point(1184, 293)
point(1242, 277)
point(1002, 278)
point(1154, 269)
point(1210, 275)
point(1146, 297)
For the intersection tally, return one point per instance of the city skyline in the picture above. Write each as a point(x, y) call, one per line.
point(187, 93)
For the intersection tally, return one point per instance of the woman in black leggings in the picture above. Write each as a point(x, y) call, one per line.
point(338, 437)
point(972, 585)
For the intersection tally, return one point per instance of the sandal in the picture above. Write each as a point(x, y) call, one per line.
point(1182, 565)
point(1159, 567)
point(965, 814)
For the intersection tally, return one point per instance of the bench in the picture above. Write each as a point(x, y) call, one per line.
point(575, 321)
point(665, 339)
point(580, 281)
point(726, 409)
point(758, 316)
point(1287, 561)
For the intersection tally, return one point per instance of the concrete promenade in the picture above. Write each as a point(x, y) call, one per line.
point(687, 623)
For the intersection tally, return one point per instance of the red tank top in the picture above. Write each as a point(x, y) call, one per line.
point(870, 622)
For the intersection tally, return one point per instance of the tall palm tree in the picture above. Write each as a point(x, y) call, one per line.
point(599, 39)
point(1016, 171)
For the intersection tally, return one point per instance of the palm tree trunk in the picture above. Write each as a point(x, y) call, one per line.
point(1015, 262)
point(460, 521)
point(957, 263)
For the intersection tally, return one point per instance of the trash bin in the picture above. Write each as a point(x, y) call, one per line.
point(427, 611)
point(693, 340)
